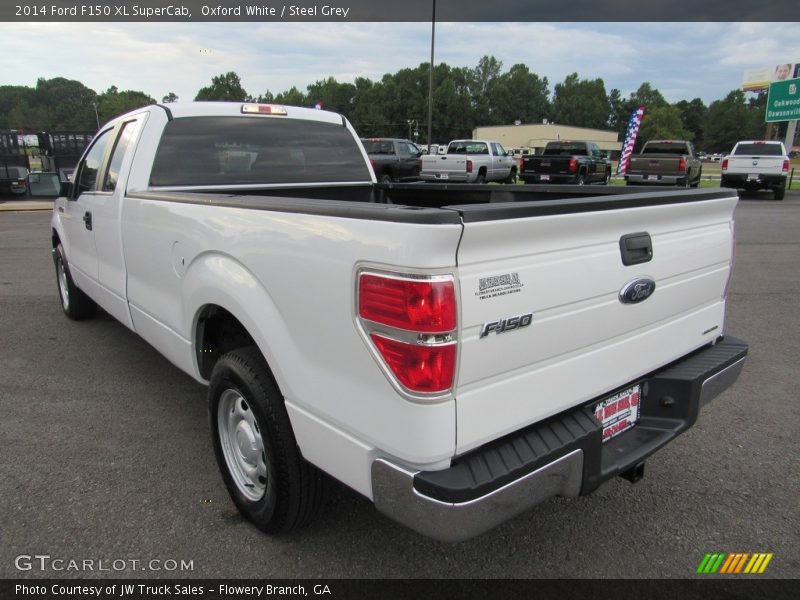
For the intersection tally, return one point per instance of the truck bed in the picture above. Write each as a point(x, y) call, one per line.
point(435, 203)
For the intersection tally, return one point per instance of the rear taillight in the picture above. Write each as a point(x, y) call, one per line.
point(422, 306)
point(469, 166)
point(410, 323)
point(725, 164)
point(786, 166)
point(420, 369)
point(682, 165)
point(573, 165)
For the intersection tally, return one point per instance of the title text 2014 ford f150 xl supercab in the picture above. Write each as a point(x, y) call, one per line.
point(456, 354)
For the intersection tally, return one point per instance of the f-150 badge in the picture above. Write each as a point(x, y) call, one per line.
point(637, 290)
point(506, 325)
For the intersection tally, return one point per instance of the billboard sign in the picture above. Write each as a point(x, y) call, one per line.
point(756, 80)
point(783, 101)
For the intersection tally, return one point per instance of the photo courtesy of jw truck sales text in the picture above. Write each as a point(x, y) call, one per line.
point(482, 348)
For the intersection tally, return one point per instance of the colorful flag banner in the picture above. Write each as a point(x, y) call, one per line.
point(630, 140)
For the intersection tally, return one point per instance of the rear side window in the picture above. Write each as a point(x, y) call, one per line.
point(758, 150)
point(198, 151)
point(565, 150)
point(664, 148)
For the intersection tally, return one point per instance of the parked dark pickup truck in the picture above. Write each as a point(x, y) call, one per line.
point(567, 162)
point(393, 159)
point(665, 162)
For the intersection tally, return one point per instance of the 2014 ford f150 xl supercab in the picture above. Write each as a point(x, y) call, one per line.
point(456, 354)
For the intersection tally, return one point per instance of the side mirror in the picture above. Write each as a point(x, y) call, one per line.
point(44, 185)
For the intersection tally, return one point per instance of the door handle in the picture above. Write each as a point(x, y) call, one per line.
point(87, 220)
point(636, 248)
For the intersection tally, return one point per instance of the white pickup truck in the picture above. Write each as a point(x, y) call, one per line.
point(470, 161)
point(456, 355)
point(756, 165)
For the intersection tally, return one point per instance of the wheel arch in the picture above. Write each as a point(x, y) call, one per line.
point(221, 297)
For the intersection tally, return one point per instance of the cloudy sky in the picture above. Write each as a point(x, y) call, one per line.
point(683, 60)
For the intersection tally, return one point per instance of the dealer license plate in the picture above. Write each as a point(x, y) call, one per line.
point(544, 177)
point(620, 412)
point(752, 177)
point(443, 176)
point(652, 178)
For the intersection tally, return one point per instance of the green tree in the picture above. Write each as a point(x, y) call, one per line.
point(693, 116)
point(733, 119)
point(662, 122)
point(520, 95)
point(64, 104)
point(333, 95)
point(482, 82)
point(226, 87)
point(171, 97)
point(292, 97)
point(581, 102)
point(17, 99)
point(113, 103)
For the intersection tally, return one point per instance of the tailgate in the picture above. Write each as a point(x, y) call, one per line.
point(757, 165)
point(655, 164)
point(547, 164)
point(444, 163)
point(582, 342)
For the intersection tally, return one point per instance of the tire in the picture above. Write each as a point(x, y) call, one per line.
point(779, 192)
point(512, 177)
point(385, 178)
point(607, 178)
point(266, 476)
point(725, 183)
point(75, 304)
point(579, 180)
point(481, 178)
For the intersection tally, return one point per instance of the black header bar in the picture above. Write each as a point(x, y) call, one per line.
point(394, 10)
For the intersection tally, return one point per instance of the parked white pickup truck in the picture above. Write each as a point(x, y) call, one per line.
point(470, 161)
point(454, 355)
point(756, 165)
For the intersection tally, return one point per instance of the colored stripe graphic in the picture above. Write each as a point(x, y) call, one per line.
point(734, 563)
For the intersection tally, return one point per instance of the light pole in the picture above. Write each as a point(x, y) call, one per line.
point(430, 76)
point(96, 116)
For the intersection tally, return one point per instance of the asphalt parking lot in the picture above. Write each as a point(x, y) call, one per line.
point(106, 454)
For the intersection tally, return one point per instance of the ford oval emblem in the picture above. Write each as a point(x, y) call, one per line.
point(637, 290)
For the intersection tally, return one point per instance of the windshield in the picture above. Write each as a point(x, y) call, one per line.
point(564, 149)
point(665, 148)
point(758, 150)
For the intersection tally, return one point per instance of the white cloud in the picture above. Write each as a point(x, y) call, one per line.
point(683, 60)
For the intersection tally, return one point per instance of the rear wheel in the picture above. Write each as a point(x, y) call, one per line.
point(579, 180)
point(512, 177)
point(481, 178)
point(270, 482)
point(779, 192)
point(385, 178)
point(75, 304)
point(607, 179)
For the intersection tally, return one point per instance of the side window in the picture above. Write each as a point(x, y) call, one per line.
point(87, 177)
point(118, 155)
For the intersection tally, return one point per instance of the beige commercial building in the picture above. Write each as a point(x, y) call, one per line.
point(537, 136)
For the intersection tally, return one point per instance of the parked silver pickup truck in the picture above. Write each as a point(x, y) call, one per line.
point(470, 161)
